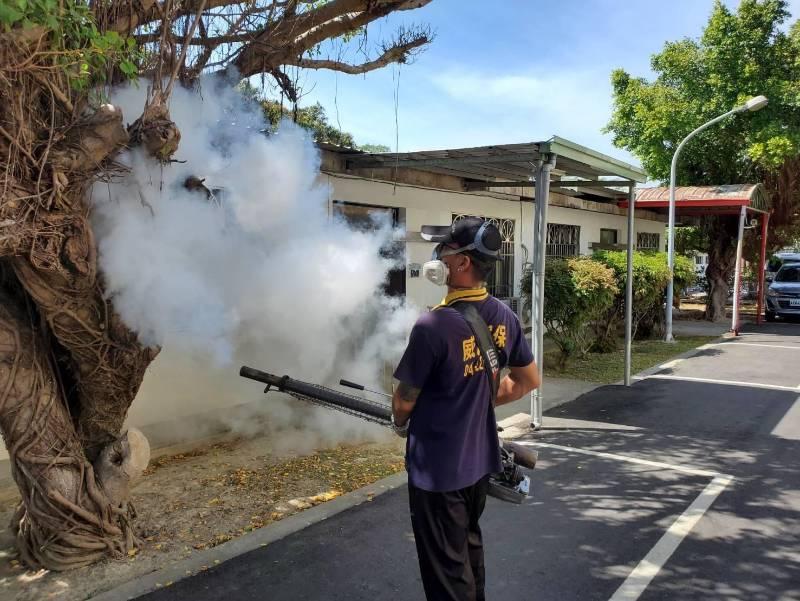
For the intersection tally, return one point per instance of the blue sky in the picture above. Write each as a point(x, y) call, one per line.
point(505, 71)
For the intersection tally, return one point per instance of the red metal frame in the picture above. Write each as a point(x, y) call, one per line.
point(761, 267)
point(699, 202)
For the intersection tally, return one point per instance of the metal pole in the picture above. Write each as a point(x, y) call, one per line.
point(737, 280)
point(761, 266)
point(537, 249)
point(629, 283)
point(671, 234)
point(542, 194)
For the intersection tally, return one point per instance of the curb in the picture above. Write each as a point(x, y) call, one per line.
point(650, 371)
point(262, 537)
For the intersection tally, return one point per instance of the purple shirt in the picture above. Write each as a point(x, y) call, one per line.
point(452, 440)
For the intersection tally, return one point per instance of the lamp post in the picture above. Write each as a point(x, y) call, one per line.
point(751, 105)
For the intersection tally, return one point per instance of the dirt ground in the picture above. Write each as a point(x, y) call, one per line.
point(202, 498)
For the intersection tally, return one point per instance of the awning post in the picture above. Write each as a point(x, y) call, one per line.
point(737, 280)
point(761, 265)
point(542, 170)
point(629, 283)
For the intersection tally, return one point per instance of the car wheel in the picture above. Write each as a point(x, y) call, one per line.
point(769, 316)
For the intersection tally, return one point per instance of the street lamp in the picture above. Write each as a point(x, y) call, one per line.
point(751, 105)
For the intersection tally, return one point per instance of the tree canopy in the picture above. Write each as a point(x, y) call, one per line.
point(740, 54)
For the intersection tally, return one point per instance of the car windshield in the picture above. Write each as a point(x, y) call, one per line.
point(788, 274)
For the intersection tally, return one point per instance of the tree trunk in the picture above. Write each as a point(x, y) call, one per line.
point(69, 367)
point(68, 517)
point(722, 232)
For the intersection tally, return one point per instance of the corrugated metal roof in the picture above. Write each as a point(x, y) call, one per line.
point(505, 162)
point(708, 198)
point(731, 191)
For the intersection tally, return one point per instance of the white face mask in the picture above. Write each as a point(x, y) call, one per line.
point(436, 271)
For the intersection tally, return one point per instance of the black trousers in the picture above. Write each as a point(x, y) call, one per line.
point(449, 541)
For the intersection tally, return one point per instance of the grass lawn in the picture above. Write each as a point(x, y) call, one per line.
point(607, 368)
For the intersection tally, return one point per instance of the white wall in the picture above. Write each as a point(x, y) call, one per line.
point(426, 206)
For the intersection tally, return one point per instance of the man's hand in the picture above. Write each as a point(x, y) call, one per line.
point(519, 382)
point(403, 401)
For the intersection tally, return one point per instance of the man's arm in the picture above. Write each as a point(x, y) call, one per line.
point(519, 382)
point(403, 401)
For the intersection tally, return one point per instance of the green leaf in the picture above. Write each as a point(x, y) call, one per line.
point(9, 15)
point(128, 68)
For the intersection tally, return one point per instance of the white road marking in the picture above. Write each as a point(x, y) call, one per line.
point(659, 464)
point(789, 426)
point(792, 348)
point(642, 575)
point(649, 567)
point(713, 381)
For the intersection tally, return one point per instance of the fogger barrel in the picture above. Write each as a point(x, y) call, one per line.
point(321, 395)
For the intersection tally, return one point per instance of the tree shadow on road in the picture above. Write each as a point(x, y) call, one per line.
point(747, 546)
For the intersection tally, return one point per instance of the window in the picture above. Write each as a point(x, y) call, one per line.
point(608, 237)
point(501, 280)
point(788, 273)
point(367, 218)
point(563, 240)
point(647, 241)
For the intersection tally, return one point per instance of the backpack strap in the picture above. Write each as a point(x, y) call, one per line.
point(484, 342)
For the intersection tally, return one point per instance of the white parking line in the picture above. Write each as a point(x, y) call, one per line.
point(713, 381)
point(642, 575)
point(630, 459)
point(649, 567)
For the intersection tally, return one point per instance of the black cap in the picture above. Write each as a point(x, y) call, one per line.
point(469, 233)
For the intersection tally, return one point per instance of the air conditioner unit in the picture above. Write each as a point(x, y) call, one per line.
point(514, 303)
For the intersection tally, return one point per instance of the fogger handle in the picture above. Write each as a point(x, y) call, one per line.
point(350, 384)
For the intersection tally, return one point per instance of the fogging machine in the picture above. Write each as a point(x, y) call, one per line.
point(511, 484)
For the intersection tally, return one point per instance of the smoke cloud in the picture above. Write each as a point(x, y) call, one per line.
point(259, 274)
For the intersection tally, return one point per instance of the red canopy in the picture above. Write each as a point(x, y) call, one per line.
point(704, 200)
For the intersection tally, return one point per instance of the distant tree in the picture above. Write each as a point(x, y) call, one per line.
point(690, 240)
point(739, 55)
point(312, 118)
point(374, 147)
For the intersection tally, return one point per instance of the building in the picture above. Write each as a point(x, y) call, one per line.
point(436, 187)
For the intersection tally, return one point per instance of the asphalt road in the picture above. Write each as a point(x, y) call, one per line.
point(684, 486)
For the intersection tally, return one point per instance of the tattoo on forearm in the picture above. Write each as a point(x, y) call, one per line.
point(406, 392)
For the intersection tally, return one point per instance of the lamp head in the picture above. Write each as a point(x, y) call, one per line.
point(754, 104)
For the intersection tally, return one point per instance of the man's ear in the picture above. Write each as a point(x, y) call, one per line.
point(464, 262)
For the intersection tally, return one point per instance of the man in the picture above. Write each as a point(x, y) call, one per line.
point(442, 403)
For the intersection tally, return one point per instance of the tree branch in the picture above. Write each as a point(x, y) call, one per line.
point(395, 54)
point(124, 18)
point(290, 38)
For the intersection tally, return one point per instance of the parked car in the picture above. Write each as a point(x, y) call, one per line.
point(777, 260)
point(783, 295)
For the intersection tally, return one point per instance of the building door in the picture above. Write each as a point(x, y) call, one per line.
point(365, 217)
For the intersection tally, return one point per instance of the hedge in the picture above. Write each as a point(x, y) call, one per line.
point(585, 298)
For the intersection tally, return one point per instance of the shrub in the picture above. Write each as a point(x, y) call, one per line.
point(650, 278)
point(576, 293)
